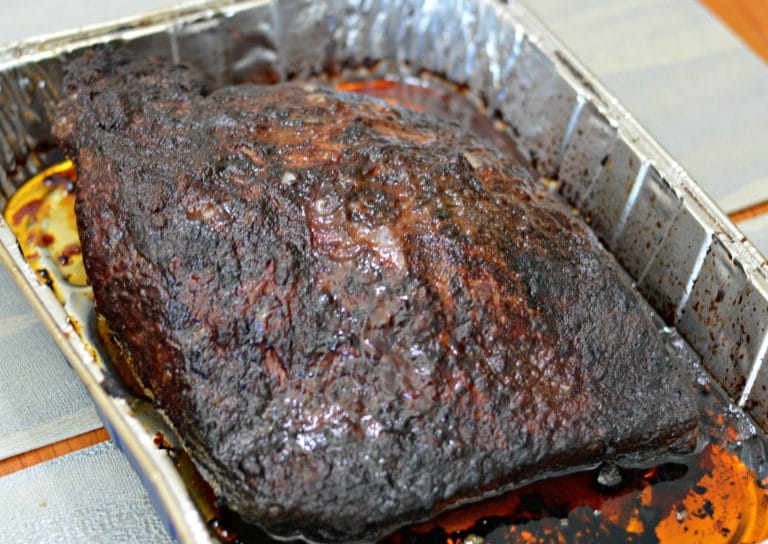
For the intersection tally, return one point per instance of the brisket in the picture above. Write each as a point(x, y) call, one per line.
point(355, 315)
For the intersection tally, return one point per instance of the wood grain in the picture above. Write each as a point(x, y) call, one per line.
point(750, 212)
point(51, 451)
point(747, 18)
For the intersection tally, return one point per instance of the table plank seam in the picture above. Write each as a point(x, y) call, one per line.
point(45, 453)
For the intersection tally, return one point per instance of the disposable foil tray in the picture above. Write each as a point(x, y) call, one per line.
point(695, 268)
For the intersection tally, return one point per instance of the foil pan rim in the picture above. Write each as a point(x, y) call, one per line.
point(34, 48)
point(638, 137)
point(153, 465)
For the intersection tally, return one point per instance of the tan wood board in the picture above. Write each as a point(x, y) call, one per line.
point(51, 451)
point(747, 18)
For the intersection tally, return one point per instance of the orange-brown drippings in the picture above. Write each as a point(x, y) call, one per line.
point(42, 239)
point(27, 210)
point(42, 215)
point(68, 252)
point(446, 103)
point(394, 93)
point(713, 496)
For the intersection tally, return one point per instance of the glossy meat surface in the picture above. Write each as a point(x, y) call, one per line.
point(354, 314)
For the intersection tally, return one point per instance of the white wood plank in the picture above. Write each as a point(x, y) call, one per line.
point(49, 432)
point(692, 83)
point(41, 399)
point(91, 495)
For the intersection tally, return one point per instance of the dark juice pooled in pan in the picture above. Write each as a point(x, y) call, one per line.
point(716, 495)
point(713, 496)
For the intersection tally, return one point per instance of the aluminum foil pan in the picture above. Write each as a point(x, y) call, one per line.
point(694, 267)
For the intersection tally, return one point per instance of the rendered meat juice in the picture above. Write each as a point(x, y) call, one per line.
point(715, 495)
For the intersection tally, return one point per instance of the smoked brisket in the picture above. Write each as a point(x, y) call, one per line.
point(355, 315)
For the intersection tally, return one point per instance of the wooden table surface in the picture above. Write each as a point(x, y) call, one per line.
point(747, 18)
point(748, 206)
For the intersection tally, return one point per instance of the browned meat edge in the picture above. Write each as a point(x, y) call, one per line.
point(351, 312)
